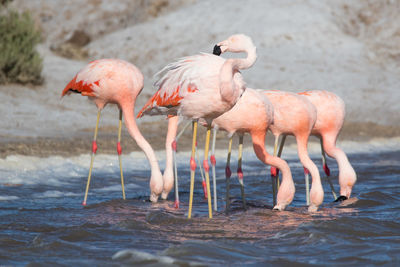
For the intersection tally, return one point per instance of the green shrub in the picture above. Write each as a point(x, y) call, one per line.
point(19, 61)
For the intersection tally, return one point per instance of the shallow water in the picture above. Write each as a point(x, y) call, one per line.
point(43, 221)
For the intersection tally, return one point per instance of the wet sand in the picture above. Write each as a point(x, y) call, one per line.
point(80, 142)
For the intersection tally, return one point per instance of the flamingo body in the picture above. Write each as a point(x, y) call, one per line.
point(295, 115)
point(190, 88)
point(252, 113)
point(107, 81)
point(330, 117)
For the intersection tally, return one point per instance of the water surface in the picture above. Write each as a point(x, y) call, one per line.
point(43, 221)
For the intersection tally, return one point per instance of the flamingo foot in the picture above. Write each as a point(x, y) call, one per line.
point(84, 203)
point(176, 204)
point(341, 198)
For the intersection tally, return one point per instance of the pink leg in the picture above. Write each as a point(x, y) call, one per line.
point(204, 184)
point(94, 150)
point(213, 163)
point(228, 174)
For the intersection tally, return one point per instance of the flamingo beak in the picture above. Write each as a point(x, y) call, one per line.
point(217, 50)
point(341, 198)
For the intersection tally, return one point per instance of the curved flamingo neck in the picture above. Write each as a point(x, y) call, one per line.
point(245, 63)
point(228, 90)
point(156, 181)
point(286, 191)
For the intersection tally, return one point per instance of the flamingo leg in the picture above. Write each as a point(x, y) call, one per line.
point(307, 181)
point(228, 175)
point(203, 182)
point(174, 148)
point(274, 173)
point(240, 171)
point(327, 171)
point(213, 162)
point(279, 155)
point(198, 162)
point(192, 168)
point(94, 149)
point(182, 131)
point(119, 150)
point(206, 169)
point(175, 175)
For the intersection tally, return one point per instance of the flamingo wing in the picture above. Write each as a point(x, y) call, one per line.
point(180, 78)
point(87, 80)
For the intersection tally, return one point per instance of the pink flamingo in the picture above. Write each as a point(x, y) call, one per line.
point(330, 117)
point(117, 82)
point(296, 115)
point(201, 86)
point(254, 114)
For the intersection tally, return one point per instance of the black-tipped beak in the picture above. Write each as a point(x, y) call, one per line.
point(341, 198)
point(217, 50)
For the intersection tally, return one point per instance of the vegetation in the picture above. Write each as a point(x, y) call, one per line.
point(19, 60)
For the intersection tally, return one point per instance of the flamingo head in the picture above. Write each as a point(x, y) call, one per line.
point(236, 43)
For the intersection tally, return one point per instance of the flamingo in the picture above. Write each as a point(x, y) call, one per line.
point(201, 86)
point(254, 114)
point(118, 82)
point(330, 117)
point(296, 115)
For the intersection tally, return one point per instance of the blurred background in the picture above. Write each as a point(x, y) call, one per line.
point(351, 48)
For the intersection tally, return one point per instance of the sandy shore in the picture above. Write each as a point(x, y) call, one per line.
point(154, 132)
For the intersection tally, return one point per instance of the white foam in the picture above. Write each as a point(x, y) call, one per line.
point(136, 256)
point(5, 198)
point(117, 187)
point(54, 194)
point(60, 171)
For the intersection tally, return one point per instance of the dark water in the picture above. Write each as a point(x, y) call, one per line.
point(48, 231)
